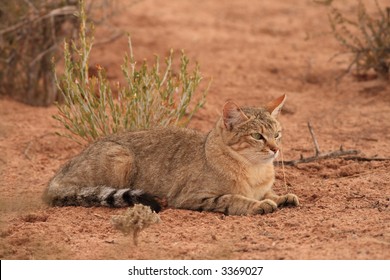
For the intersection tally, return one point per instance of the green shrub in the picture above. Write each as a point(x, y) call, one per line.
point(366, 38)
point(151, 96)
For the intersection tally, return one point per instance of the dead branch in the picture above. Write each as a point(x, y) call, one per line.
point(358, 158)
point(42, 54)
point(318, 155)
point(67, 10)
point(332, 154)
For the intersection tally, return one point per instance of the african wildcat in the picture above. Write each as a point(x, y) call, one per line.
point(229, 170)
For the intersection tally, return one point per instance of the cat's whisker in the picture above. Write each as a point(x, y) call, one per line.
point(283, 170)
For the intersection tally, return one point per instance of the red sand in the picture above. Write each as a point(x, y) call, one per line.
point(255, 51)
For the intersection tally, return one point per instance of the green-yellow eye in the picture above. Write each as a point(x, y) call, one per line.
point(257, 136)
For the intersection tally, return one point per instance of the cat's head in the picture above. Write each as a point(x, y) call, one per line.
point(253, 133)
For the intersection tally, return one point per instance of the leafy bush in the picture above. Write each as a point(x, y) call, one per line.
point(366, 38)
point(151, 96)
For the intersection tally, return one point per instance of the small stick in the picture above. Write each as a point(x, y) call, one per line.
point(25, 152)
point(316, 146)
point(31, 142)
point(319, 156)
point(42, 54)
point(333, 154)
point(66, 10)
point(357, 158)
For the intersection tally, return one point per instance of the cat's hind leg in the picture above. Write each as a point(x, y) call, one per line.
point(100, 176)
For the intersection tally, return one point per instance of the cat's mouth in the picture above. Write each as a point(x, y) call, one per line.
point(271, 155)
point(261, 157)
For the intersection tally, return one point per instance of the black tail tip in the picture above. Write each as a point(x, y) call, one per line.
point(149, 200)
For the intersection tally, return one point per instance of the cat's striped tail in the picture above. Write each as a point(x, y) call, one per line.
point(98, 196)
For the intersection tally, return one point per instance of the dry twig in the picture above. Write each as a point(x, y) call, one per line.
point(332, 154)
point(345, 154)
point(316, 147)
point(318, 155)
point(359, 158)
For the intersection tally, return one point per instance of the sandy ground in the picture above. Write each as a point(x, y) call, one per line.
point(254, 51)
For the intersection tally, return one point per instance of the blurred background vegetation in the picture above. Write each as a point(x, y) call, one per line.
point(34, 35)
point(31, 34)
point(365, 38)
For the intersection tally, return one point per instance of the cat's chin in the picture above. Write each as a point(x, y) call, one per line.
point(260, 159)
point(267, 160)
point(263, 160)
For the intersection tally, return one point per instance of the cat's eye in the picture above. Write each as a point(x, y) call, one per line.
point(257, 136)
point(278, 135)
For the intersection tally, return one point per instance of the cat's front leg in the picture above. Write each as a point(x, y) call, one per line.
point(232, 204)
point(283, 200)
point(264, 206)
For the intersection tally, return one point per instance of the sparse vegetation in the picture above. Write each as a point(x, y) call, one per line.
point(30, 33)
point(134, 220)
point(367, 38)
point(151, 96)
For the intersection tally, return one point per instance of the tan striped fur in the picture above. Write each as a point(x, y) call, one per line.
point(228, 170)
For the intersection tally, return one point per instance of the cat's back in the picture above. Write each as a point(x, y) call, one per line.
point(169, 143)
point(165, 159)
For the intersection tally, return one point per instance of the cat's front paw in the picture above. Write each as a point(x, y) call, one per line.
point(288, 200)
point(265, 206)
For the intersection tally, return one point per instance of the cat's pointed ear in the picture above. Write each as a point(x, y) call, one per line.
point(232, 115)
point(275, 106)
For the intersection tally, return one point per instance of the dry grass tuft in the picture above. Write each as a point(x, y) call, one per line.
point(135, 220)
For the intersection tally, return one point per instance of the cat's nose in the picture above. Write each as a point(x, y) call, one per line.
point(274, 149)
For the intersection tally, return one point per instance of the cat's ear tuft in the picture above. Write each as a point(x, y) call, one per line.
point(232, 115)
point(275, 106)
